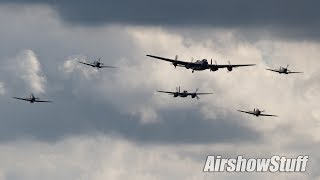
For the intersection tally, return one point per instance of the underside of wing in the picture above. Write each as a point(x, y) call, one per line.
point(274, 70)
point(268, 115)
point(108, 67)
point(43, 101)
point(24, 99)
point(203, 93)
point(171, 60)
point(168, 92)
point(228, 65)
point(87, 64)
point(242, 65)
point(248, 112)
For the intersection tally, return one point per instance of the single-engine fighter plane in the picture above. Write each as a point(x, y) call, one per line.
point(283, 70)
point(184, 93)
point(199, 65)
point(257, 112)
point(31, 99)
point(97, 64)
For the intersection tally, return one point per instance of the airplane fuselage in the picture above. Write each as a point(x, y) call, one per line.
point(256, 112)
point(184, 94)
point(97, 64)
point(203, 64)
point(283, 70)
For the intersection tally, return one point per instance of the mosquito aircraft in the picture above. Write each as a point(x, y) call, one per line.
point(97, 64)
point(283, 70)
point(184, 93)
point(257, 112)
point(31, 99)
point(199, 65)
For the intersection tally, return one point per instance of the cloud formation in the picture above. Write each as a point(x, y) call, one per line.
point(27, 67)
point(293, 19)
point(122, 106)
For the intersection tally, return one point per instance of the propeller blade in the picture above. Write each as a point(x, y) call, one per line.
point(192, 60)
point(197, 97)
point(215, 62)
point(197, 90)
point(179, 89)
point(287, 66)
point(176, 58)
point(211, 61)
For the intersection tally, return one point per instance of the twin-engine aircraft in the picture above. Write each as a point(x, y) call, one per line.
point(283, 70)
point(200, 65)
point(257, 112)
point(97, 64)
point(31, 99)
point(184, 93)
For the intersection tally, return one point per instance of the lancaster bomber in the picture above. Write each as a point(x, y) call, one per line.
point(184, 94)
point(257, 112)
point(31, 99)
point(199, 65)
point(97, 64)
point(283, 70)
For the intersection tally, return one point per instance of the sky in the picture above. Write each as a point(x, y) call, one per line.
point(112, 124)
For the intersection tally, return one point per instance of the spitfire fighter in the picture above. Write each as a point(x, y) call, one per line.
point(97, 64)
point(31, 99)
point(257, 112)
point(283, 70)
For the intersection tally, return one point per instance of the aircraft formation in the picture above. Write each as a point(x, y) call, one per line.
point(198, 65)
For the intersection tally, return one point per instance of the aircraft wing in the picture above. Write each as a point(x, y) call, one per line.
point(183, 63)
point(108, 67)
point(203, 93)
point(290, 72)
point(168, 92)
point(228, 65)
point(274, 70)
point(42, 101)
point(268, 115)
point(87, 64)
point(248, 112)
point(24, 99)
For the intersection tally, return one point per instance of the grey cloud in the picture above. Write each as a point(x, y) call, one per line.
point(82, 116)
point(289, 18)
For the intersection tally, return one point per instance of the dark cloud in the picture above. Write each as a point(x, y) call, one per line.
point(291, 13)
point(289, 19)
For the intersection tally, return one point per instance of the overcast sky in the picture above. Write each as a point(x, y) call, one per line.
point(111, 123)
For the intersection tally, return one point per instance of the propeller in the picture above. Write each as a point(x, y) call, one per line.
point(230, 66)
point(192, 60)
point(197, 94)
point(178, 89)
point(215, 62)
point(174, 63)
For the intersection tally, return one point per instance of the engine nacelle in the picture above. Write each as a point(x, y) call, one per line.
point(175, 95)
point(193, 95)
point(175, 64)
point(214, 68)
point(188, 66)
point(229, 68)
